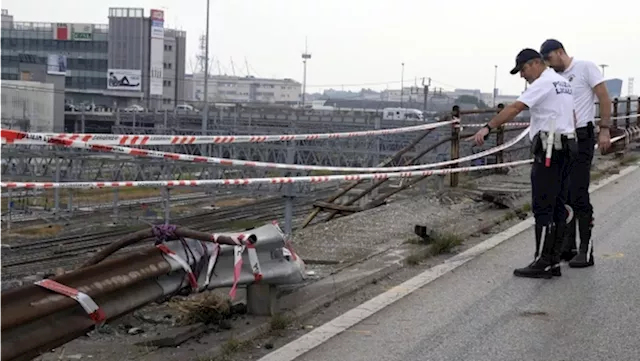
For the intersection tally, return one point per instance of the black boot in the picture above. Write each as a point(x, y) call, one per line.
point(569, 240)
point(584, 258)
point(559, 229)
point(541, 266)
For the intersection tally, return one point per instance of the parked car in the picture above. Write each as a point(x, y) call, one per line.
point(134, 108)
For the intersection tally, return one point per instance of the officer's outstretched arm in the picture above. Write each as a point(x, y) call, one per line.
point(507, 114)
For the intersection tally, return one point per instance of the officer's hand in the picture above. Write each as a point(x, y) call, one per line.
point(604, 140)
point(480, 135)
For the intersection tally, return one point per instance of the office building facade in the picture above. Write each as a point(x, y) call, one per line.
point(131, 60)
point(248, 89)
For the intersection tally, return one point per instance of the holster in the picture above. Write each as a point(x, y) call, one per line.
point(585, 133)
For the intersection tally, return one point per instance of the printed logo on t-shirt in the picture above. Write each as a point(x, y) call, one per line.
point(571, 77)
point(562, 87)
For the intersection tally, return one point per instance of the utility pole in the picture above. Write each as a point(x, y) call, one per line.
point(402, 87)
point(603, 66)
point(305, 56)
point(205, 114)
point(426, 91)
point(495, 84)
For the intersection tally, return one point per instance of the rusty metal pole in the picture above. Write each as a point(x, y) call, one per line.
point(638, 111)
point(627, 120)
point(500, 138)
point(384, 163)
point(455, 145)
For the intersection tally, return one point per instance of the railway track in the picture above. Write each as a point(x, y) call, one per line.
point(26, 258)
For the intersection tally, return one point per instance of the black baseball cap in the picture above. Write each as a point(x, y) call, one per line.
point(550, 45)
point(523, 57)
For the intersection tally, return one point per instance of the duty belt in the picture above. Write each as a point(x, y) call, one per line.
point(557, 139)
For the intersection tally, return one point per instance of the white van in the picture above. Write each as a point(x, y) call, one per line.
point(402, 114)
point(186, 108)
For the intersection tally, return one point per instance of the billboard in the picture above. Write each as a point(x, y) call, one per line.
point(61, 31)
point(124, 79)
point(82, 32)
point(157, 52)
point(57, 64)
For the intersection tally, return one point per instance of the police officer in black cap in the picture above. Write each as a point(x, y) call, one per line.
point(588, 86)
point(552, 134)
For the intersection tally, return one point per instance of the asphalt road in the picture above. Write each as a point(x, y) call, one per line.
point(480, 311)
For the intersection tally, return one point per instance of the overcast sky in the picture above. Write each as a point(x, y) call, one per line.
point(362, 43)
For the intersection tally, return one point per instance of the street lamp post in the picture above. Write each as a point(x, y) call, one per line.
point(495, 84)
point(603, 66)
point(205, 114)
point(402, 87)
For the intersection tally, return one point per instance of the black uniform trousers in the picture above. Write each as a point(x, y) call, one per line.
point(579, 200)
point(550, 191)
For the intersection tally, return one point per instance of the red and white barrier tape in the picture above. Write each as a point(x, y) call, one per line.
point(244, 163)
point(634, 131)
point(87, 303)
point(526, 124)
point(242, 243)
point(478, 125)
point(9, 137)
point(193, 281)
point(249, 181)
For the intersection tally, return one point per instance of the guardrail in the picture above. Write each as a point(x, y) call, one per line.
point(49, 313)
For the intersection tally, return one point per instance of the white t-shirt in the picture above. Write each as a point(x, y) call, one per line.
point(549, 98)
point(583, 76)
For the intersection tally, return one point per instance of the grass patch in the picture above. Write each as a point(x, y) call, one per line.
point(526, 207)
point(279, 322)
point(39, 231)
point(509, 216)
point(629, 158)
point(444, 243)
point(207, 308)
point(440, 244)
point(231, 347)
point(417, 257)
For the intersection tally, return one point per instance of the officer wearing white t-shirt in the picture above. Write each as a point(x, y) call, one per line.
point(588, 85)
point(552, 133)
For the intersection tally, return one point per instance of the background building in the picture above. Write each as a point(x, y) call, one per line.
point(614, 87)
point(131, 60)
point(236, 89)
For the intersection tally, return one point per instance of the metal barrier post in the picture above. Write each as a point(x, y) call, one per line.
point(70, 191)
point(288, 192)
point(376, 154)
point(56, 191)
point(455, 145)
point(10, 206)
point(167, 204)
point(627, 120)
point(614, 114)
point(115, 204)
point(500, 138)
